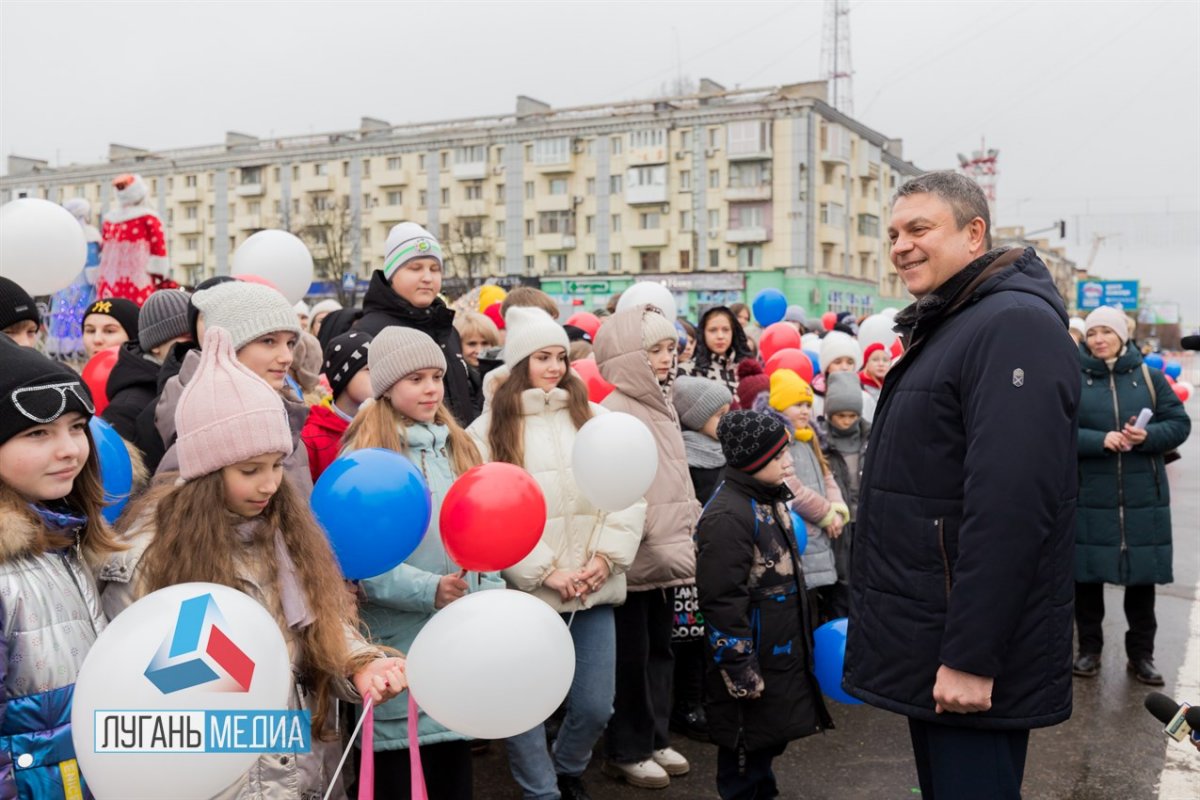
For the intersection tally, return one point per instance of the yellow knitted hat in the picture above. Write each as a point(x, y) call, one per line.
point(788, 389)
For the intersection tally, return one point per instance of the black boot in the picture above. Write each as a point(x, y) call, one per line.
point(1087, 665)
point(571, 788)
point(1144, 672)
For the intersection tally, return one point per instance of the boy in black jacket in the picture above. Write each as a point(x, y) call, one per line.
point(761, 689)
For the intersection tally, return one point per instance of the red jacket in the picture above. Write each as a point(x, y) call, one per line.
point(322, 435)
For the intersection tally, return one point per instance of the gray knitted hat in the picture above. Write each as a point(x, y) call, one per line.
point(246, 310)
point(697, 399)
point(163, 318)
point(843, 392)
point(398, 351)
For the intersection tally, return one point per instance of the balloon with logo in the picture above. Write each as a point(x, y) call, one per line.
point(1183, 390)
point(1173, 369)
point(792, 359)
point(278, 257)
point(524, 676)
point(769, 306)
point(1154, 360)
point(780, 336)
point(95, 375)
point(375, 507)
point(116, 468)
point(587, 321)
point(492, 517)
point(597, 387)
point(196, 652)
point(42, 246)
point(614, 460)
point(650, 292)
point(829, 657)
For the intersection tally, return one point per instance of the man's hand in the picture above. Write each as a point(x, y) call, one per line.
point(961, 692)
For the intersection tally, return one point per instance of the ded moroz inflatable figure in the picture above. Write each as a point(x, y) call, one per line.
point(134, 246)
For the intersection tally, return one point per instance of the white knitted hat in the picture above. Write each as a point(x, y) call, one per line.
point(656, 328)
point(407, 241)
point(324, 306)
point(301, 308)
point(1108, 317)
point(837, 345)
point(1077, 324)
point(246, 310)
point(399, 351)
point(528, 330)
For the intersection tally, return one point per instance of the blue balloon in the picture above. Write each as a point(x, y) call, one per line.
point(769, 306)
point(1154, 360)
point(374, 505)
point(829, 656)
point(116, 469)
point(801, 532)
point(815, 358)
point(1174, 369)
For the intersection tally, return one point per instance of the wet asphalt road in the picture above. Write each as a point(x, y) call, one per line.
point(1111, 748)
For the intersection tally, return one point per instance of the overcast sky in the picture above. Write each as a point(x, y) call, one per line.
point(1094, 106)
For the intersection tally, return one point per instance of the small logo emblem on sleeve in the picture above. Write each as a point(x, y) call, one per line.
point(1018, 377)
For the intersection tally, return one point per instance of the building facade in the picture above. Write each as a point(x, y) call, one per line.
point(718, 194)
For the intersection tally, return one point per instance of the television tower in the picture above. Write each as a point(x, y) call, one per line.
point(835, 55)
point(981, 166)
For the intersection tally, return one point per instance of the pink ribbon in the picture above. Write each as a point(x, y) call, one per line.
point(366, 769)
point(414, 753)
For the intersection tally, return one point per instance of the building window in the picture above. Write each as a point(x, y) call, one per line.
point(615, 184)
point(714, 219)
point(528, 229)
point(395, 198)
point(500, 224)
point(499, 192)
point(274, 175)
point(747, 215)
point(714, 179)
point(651, 138)
point(251, 175)
point(211, 214)
point(558, 186)
point(345, 169)
point(276, 208)
point(589, 223)
point(395, 162)
point(366, 237)
point(295, 205)
point(591, 262)
point(323, 202)
point(528, 190)
point(422, 198)
point(616, 223)
point(499, 154)
point(501, 263)
point(444, 232)
point(591, 186)
point(714, 137)
point(616, 145)
point(421, 162)
point(648, 176)
point(714, 259)
point(648, 260)
point(685, 139)
point(191, 242)
point(552, 151)
point(191, 212)
point(556, 222)
point(588, 146)
point(748, 136)
point(557, 262)
point(473, 227)
point(649, 220)
point(833, 214)
point(474, 154)
point(685, 180)
point(368, 201)
point(868, 225)
point(685, 220)
point(615, 259)
point(254, 207)
point(529, 264)
point(320, 168)
point(749, 174)
point(528, 154)
point(443, 160)
point(189, 181)
point(295, 172)
point(474, 191)
point(445, 197)
point(750, 257)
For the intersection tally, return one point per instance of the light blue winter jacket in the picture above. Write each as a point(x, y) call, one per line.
point(400, 602)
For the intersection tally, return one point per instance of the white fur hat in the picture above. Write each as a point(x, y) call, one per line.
point(837, 345)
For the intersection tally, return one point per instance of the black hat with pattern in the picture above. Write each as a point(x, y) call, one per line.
point(345, 355)
point(750, 439)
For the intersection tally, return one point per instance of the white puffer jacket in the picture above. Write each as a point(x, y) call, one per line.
point(573, 531)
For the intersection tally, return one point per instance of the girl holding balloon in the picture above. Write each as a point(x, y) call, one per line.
point(50, 522)
point(536, 409)
point(409, 416)
point(231, 516)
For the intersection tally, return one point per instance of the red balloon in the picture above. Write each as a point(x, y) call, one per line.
point(828, 320)
point(95, 375)
point(1170, 380)
point(492, 312)
point(792, 359)
point(780, 336)
point(897, 349)
point(1181, 391)
point(492, 517)
point(597, 387)
point(586, 320)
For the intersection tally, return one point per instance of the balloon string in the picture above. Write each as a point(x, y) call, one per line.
point(596, 526)
point(337, 772)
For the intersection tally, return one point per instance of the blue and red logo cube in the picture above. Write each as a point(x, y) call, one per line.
point(199, 652)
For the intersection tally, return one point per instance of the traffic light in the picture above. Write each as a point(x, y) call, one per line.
point(1062, 229)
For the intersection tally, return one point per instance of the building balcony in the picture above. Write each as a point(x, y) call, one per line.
point(745, 235)
point(471, 208)
point(763, 154)
point(647, 155)
point(470, 171)
point(248, 189)
point(553, 202)
point(831, 234)
point(249, 222)
point(316, 183)
point(556, 166)
point(391, 177)
point(641, 195)
point(470, 245)
point(186, 194)
point(655, 237)
point(835, 156)
point(555, 241)
point(737, 193)
point(186, 258)
point(184, 226)
point(390, 214)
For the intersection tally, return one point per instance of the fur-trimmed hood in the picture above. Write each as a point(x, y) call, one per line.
point(19, 529)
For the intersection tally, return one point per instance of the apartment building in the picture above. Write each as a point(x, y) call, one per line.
point(718, 194)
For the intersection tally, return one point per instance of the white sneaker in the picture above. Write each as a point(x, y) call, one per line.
point(643, 774)
point(672, 761)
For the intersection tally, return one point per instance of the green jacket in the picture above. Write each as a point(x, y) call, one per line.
point(1123, 527)
point(400, 602)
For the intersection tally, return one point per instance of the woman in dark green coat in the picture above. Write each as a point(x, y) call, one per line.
point(1123, 529)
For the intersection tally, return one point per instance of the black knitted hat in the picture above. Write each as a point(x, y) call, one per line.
point(16, 304)
point(750, 439)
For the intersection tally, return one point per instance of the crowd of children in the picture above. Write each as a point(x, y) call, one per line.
point(691, 610)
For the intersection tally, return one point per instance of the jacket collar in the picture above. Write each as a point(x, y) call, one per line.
point(756, 489)
point(536, 401)
point(382, 297)
point(624, 364)
point(19, 532)
point(925, 314)
point(1129, 360)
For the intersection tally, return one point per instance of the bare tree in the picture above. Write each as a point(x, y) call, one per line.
point(326, 226)
point(468, 251)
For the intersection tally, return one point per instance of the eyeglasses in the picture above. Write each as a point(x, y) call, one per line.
point(44, 404)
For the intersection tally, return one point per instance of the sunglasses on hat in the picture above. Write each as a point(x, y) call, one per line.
point(44, 404)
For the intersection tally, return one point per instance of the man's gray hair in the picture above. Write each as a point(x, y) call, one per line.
point(962, 194)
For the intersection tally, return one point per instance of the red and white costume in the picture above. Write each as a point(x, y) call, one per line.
point(134, 245)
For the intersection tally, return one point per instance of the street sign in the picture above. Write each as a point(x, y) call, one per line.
point(1118, 294)
point(587, 287)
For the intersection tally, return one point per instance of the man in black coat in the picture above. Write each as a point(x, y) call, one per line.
point(961, 573)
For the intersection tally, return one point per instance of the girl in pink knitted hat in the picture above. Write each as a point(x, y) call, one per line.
point(231, 516)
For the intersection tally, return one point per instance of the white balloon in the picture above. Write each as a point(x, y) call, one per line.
point(279, 257)
point(876, 329)
point(890, 312)
point(128, 663)
point(810, 341)
point(492, 664)
point(649, 292)
point(614, 460)
point(41, 245)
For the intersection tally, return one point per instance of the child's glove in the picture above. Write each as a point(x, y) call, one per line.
point(842, 510)
point(743, 682)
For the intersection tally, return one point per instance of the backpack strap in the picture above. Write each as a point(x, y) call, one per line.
point(1150, 386)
